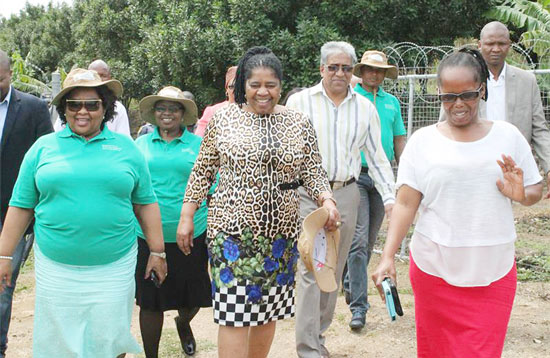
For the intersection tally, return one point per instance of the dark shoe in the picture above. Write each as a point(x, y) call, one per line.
point(188, 343)
point(357, 321)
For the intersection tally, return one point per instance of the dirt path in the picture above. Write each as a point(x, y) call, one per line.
point(528, 333)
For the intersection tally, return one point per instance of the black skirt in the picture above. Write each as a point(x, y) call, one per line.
point(187, 283)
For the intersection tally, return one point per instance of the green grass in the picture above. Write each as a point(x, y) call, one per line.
point(532, 247)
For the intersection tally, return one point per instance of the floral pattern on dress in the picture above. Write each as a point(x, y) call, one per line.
point(262, 263)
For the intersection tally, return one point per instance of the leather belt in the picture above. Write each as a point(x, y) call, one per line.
point(364, 170)
point(335, 185)
point(292, 185)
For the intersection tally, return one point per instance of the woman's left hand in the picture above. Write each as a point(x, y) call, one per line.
point(333, 221)
point(511, 185)
point(158, 265)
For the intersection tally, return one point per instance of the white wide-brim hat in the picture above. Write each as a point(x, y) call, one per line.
point(173, 94)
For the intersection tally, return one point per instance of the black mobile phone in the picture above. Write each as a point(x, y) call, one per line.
point(155, 279)
point(396, 301)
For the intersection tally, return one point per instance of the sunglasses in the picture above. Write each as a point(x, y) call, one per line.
point(465, 96)
point(75, 105)
point(335, 68)
point(171, 109)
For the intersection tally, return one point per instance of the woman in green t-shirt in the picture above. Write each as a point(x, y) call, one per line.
point(170, 151)
point(82, 186)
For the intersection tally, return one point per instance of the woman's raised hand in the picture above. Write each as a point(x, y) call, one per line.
point(511, 185)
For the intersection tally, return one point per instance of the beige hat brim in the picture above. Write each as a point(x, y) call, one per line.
point(114, 85)
point(390, 73)
point(148, 112)
point(324, 276)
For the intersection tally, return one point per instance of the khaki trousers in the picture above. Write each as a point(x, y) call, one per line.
point(314, 308)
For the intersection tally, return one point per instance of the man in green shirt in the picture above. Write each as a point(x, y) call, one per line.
point(372, 70)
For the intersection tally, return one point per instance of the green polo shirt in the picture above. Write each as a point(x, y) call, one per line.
point(391, 122)
point(170, 165)
point(82, 194)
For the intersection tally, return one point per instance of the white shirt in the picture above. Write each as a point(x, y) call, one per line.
point(119, 123)
point(343, 132)
point(465, 230)
point(496, 102)
point(4, 112)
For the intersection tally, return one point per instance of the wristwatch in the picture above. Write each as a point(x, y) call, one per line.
point(162, 255)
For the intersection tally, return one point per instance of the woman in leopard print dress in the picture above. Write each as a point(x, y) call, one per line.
point(262, 152)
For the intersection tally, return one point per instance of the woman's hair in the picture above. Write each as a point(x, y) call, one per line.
point(258, 56)
point(107, 97)
point(336, 47)
point(467, 57)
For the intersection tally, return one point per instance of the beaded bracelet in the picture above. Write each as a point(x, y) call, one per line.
point(6, 257)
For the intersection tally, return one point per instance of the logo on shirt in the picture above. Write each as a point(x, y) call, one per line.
point(111, 147)
point(189, 151)
point(389, 106)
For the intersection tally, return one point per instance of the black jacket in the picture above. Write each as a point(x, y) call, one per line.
point(27, 119)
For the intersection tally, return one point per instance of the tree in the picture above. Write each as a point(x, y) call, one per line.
point(533, 16)
point(190, 43)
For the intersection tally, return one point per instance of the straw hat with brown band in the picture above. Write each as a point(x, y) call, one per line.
point(80, 77)
point(375, 59)
point(168, 93)
point(319, 249)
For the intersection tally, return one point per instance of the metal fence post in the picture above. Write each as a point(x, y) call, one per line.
point(56, 88)
point(410, 111)
point(410, 114)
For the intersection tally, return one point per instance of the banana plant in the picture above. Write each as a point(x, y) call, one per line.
point(23, 77)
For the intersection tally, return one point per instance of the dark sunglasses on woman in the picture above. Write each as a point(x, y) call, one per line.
point(91, 105)
point(465, 96)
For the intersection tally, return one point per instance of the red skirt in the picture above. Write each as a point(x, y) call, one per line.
point(459, 322)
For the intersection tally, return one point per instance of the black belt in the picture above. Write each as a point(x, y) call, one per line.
point(292, 185)
point(342, 184)
point(364, 170)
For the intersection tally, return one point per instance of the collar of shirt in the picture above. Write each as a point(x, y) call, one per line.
point(320, 89)
point(183, 138)
point(6, 100)
point(501, 76)
point(4, 105)
point(359, 89)
point(104, 134)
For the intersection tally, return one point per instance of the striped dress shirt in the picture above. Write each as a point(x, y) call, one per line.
point(343, 132)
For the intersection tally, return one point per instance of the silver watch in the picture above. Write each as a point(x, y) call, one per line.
point(162, 255)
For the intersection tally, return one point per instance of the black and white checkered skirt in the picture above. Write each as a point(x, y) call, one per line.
point(231, 308)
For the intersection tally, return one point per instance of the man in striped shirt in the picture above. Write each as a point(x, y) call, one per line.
point(346, 124)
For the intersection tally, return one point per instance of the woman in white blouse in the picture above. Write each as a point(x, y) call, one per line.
point(461, 175)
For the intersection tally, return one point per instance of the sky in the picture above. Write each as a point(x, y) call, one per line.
point(12, 7)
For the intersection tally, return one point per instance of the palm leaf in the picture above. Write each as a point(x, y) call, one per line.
point(522, 13)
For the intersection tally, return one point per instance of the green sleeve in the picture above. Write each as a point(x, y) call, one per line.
point(398, 126)
point(25, 193)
